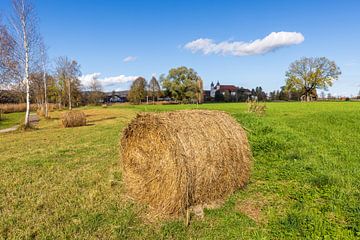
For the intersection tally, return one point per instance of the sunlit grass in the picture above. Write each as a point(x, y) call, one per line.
point(60, 182)
point(11, 119)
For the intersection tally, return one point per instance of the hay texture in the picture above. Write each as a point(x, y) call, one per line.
point(74, 118)
point(176, 160)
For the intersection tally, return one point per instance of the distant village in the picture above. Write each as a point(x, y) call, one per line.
point(226, 93)
point(216, 93)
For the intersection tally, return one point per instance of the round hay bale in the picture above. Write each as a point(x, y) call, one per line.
point(175, 160)
point(74, 118)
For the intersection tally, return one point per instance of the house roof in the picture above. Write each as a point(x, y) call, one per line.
point(230, 88)
point(118, 93)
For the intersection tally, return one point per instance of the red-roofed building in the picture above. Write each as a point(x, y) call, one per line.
point(228, 93)
point(231, 89)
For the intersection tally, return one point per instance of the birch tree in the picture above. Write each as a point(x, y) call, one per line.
point(44, 60)
point(24, 23)
point(154, 89)
point(137, 90)
point(8, 62)
point(68, 72)
point(96, 89)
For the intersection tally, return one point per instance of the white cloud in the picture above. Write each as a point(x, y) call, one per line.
point(107, 81)
point(271, 42)
point(129, 59)
point(86, 79)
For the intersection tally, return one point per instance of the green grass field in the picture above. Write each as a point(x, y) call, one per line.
point(10, 120)
point(66, 183)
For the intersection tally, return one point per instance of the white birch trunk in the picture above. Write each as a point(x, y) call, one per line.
point(26, 48)
point(69, 94)
point(45, 92)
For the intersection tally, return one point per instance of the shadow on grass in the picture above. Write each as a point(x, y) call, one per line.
point(100, 120)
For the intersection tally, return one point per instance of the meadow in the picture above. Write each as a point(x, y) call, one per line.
point(58, 183)
point(9, 120)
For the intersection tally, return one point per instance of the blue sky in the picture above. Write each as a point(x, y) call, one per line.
point(153, 34)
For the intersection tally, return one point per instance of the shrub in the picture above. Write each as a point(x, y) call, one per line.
point(255, 107)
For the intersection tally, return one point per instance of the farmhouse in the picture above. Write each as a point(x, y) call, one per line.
point(119, 96)
point(232, 92)
point(231, 89)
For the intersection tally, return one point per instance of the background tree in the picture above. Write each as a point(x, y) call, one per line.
point(165, 92)
point(219, 97)
point(182, 84)
point(36, 88)
point(260, 94)
point(52, 89)
point(253, 93)
point(137, 90)
point(96, 90)
point(227, 96)
point(44, 63)
point(67, 73)
point(322, 95)
point(8, 62)
point(242, 94)
point(272, 95)
point(283, 94)
point(294, 95)
point(154, 89)
point(24, 22)
point(308, 74)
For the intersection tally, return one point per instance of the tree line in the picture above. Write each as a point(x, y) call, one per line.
point(303, 78)
point(25, 69)
point(181, 84)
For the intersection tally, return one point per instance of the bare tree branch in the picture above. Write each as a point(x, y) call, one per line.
point(24, 22)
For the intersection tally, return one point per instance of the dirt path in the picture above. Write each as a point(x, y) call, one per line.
point(13, 128)
point(34, 120)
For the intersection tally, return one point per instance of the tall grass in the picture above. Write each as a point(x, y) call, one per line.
point(21, 107)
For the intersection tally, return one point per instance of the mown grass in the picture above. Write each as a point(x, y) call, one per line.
point(66, 183)
point(11, 119)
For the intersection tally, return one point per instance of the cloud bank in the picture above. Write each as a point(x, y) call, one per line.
point(107, 81)
point(271, 42)
point(129, 59)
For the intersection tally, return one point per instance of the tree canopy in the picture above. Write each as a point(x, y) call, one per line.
point(154, 88)
point(137, 90)
point(8, 62)
point(96, 91)
point(308, 74)
point(68, 73)
point(182, 83)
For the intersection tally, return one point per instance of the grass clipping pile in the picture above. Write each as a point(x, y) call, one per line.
point(74, 118)
point(176, 161)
